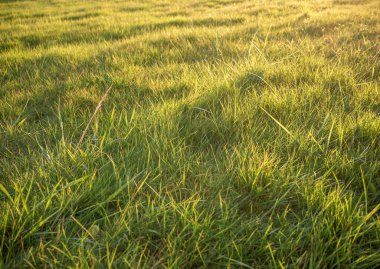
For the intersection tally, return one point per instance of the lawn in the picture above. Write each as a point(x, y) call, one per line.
point(190, 134)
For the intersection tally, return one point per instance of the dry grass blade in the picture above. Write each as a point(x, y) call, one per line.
point(93, 117)
point(279, 123)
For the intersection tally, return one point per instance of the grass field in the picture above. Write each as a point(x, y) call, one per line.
point(234, 134)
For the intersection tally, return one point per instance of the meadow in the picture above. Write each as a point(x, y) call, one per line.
point(227, 134)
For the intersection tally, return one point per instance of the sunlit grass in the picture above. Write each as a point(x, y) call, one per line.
point(238, 134)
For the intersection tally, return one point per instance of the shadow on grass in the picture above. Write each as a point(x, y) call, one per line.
point(81, 36)
point(82, 16)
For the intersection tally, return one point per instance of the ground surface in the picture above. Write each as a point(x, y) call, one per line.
point(236, 134)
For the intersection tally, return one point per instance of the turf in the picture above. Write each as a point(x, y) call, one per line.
point(235, 134)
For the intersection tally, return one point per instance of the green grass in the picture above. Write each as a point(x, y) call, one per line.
point(238, 134)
